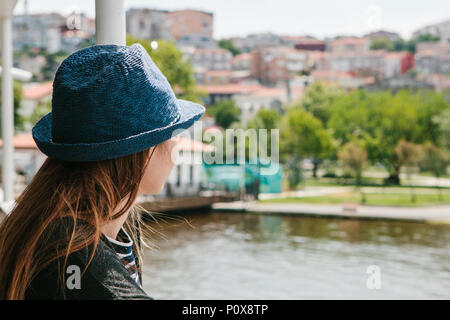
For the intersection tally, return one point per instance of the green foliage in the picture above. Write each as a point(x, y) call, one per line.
point(354, 157)
point(406, 154)
point(427, 38)
point(225, 112)
point(178, 71)
point(400, 44)
point(227, 44)
point(304, 134)
point(382, 44)
point(442, 121)
point(319, 98)
point(434, 159)
point(381, 119)
point(294, 171)
point(265, 119)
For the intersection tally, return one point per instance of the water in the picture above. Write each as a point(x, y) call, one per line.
point(245, 256)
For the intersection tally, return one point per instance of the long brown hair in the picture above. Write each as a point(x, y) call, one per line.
point(89, 191)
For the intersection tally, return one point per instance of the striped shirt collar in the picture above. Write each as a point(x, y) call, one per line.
point(124, 251)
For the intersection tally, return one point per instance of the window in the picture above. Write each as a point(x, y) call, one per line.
point(191, 174)
point(178, 175)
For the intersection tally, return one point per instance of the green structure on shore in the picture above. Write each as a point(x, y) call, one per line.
point(234, 177)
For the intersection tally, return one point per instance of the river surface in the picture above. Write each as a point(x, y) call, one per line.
point(251, 256)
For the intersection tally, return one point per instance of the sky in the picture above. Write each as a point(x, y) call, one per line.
point(319, 18)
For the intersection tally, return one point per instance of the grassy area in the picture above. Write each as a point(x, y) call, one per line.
point(367, 182)
point(429, 174)
point(375, 199)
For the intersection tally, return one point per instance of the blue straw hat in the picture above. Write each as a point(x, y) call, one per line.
point(110, 101)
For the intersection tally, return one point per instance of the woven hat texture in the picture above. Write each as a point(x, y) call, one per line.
point(110, 101)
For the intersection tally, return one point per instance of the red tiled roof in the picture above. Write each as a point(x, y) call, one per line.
point(302, 39)
point(217, 73)
point(396, 55)
point(242, 56)
point(330, 74)
point(74, 33)
point(349, 40)
point(22, 141)
point(37, 91)
point(233, 88)
point(186, 144)
point(267, 92)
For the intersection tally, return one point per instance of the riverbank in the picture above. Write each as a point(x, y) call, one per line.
point(431, 214)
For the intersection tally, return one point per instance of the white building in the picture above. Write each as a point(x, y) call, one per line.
point(148, 24)
point(440, 30)
point(210, 58)
point(185, 178)
point(38, 31)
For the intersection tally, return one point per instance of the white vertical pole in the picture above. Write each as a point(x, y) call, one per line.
point(8, 171)
point(110, 22)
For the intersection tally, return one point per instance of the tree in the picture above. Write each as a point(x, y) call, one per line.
point(265, 119)
point(381, 119)
point(227, 44)
point(225, 112)
point(178, 71)
point(303, 136)
point(294, 170)
point(353, 157)
point(434, 160)
point(400, 44)
point(443, 122)
point(318, 100)
point(406, 153)
point(407, 156)
point(382, 44)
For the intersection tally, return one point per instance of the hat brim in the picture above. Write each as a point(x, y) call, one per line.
point(42, 133)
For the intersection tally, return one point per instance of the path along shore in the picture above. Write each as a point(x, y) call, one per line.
point(432, 214)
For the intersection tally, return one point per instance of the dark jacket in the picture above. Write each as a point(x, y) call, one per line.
point(106, 277)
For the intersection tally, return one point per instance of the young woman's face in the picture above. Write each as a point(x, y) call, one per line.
point(159, 167)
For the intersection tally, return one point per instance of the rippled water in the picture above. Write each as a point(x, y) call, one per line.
point(245, 256)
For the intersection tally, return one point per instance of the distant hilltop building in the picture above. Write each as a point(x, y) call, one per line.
point(147, 23)
point(305, 43)
point(184, 22)
point(257, 40)
point(169, 25)
point(440, 30)
point(271, 65)
point(433, 58)
point(209, 58)
point(382, 34)
point(38, 30)
point(352, 45)
point(50, 31)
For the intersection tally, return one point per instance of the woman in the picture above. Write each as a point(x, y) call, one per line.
point(74, 231)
